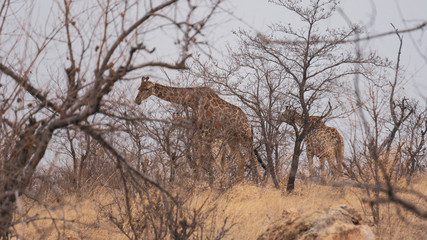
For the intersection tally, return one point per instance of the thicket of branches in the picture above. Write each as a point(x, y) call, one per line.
point(70, 98)
point(69, 125)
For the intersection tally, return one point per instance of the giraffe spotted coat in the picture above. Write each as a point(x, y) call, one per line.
point(321, 141)
point(214, 119)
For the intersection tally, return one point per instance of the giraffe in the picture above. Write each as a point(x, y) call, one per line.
point(215, 120)
point(321, 141)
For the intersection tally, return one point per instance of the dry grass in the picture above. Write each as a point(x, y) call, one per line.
point(249, 209)
point(70, 217)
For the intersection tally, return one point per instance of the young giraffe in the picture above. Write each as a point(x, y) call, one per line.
point(214, 119)
point(321, 141)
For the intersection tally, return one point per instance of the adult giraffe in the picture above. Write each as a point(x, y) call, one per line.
point(214, 120)
point(322, 141)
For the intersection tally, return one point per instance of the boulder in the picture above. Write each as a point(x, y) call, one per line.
point(334, 223)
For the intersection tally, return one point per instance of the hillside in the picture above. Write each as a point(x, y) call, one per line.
point(241, 212)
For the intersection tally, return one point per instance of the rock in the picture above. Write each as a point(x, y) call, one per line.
point(335, 223)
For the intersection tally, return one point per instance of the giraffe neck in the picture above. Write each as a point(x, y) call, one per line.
point(299, 120)
point(314, 122)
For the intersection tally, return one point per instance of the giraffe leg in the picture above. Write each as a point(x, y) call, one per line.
point(335, 168)
point(209, 161)
point(216, 151)
point(322, 168)
point(225, 168)
point(254, 166)
point(253, 161)
point(204, 160)
point(240, 162)
point(338, 168)
point(197, 159)
point(310, 156)
point(332, 166)
point(219, 152)
point(339, 159)
point(199, 155)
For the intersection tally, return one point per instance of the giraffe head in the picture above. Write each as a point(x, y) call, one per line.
point(145, 90)
point(291, 116)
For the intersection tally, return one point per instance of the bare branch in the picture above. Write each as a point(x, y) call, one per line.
point(121, 160)
point(24, 82)
point(128, 31)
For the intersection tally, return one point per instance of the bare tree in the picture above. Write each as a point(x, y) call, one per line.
point(305, 68)
point(317, 64)
point(57, 75)
point(259, 85)
point(393, 144)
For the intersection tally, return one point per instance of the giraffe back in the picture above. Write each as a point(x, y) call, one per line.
point(325, 141)
point(224, 120)
point(321, 141)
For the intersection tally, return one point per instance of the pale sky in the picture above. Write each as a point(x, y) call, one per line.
point(376, 15)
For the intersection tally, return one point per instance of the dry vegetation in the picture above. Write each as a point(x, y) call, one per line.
point(244, 211)
point(81, 159)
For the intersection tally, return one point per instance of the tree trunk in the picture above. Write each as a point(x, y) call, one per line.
point(294, 166)
point(18, 170)
point(270, 165)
